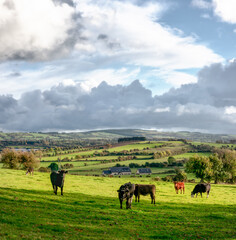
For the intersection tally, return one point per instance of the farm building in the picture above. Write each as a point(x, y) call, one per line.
point(106, 172)
point(144, 171)
point(117, 171)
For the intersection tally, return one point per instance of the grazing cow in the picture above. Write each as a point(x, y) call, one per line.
point(57, 180)
point(179, 186)
point(201, 188)
point(126, 191)
point(30, 170)
point(141, 189)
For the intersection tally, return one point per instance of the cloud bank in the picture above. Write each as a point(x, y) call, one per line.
point(208, 105)
point(224, 10)
point(33, 30)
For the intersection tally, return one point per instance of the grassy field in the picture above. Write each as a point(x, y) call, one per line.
point(139, 146)
point(89, 209)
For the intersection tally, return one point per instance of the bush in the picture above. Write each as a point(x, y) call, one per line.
point(53, 166)
point(180, 175)
point(67, 166)
point(168, 178)
point(43, 169)
point(17, 160)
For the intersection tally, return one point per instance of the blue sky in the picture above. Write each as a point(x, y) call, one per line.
point(71, 47)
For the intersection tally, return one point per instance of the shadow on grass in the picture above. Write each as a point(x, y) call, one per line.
point(33, 214)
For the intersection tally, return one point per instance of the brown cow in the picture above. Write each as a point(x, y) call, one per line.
point(141, 189)
point(179, 186)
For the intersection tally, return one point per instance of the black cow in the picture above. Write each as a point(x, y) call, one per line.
point(57, 180)
point(201, 188)
point(141, 189)
point(126, 191)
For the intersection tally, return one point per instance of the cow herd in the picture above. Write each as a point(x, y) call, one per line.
point(128, 190)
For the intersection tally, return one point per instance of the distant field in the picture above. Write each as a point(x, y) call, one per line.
point(218, 145)
point(127, 147)
point(88, 165)
point(89, 209)
point(188, 155)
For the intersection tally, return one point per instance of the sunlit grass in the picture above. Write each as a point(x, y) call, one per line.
point(89, 209)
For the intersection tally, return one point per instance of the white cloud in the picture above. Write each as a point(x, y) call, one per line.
point(175, 78)
point(230, 110)
point(201, 4)
point(33, 30)
point(225, 10)
point(208, 105)
point(111, 76)
point(159, 110)
point(132, 34)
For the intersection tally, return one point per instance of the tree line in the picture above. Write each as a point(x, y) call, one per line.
point(220, 166)
point(19, 160)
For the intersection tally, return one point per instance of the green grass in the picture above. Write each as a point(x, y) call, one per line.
point(89, 209)
point(139, 146)
point(188, 155)
point(218, 145)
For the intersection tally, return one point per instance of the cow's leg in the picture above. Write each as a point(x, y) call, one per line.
point(153, 198)
point(196, 195)
point(130, 201)
point(138, 197)
point(183, 190)
point(121, 203)
point(208, 194)
point(201, 194)
point(61, 190)
point(127, 203)
point(56, 190)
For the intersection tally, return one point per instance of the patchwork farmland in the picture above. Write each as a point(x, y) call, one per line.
point(89, 208)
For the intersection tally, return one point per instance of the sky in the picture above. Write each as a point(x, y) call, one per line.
point(75, 65)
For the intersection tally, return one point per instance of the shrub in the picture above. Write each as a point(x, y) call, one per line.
point(67, 166)
point(168, 178)
point(43, 169)
point(53, 166)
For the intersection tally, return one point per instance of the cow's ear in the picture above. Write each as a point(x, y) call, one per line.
point(66, 171)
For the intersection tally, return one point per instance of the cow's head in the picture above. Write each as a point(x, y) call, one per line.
point(192, 194)
point(123, 192)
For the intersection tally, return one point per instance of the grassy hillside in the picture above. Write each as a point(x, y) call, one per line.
point(114, 134)
point(89, 209)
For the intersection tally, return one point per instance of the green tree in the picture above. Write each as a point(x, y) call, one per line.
point(200, 166)
point(28, 160)
point(217, 168)
point(228, 158)
point(180, 175)
point(53, 166)
point(171, 160)
point(10, 158)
